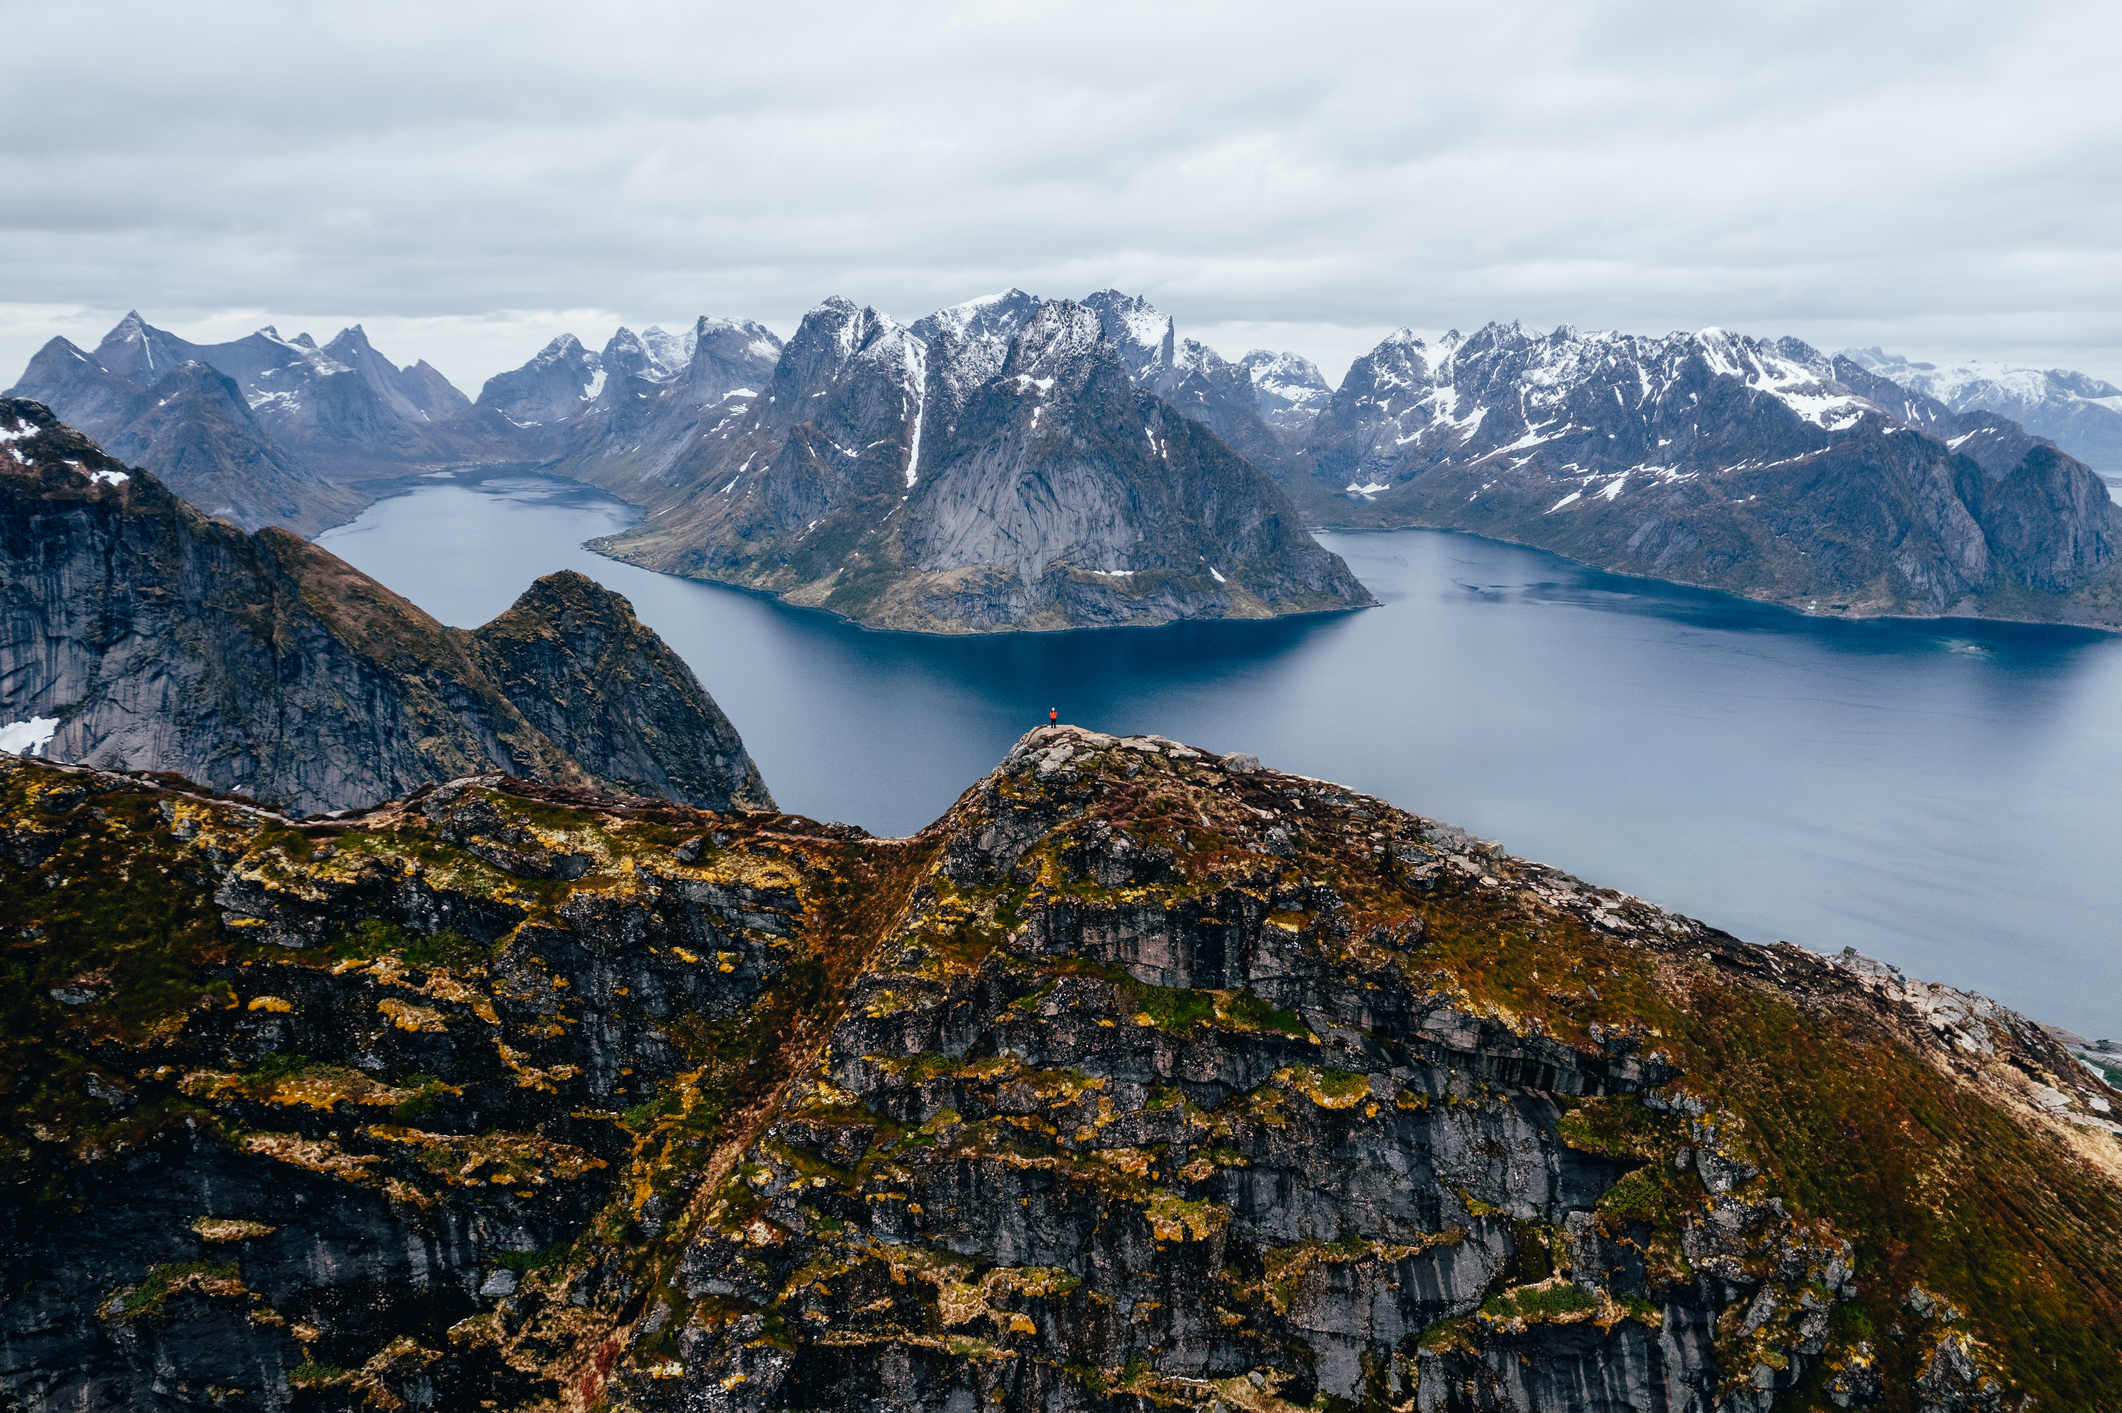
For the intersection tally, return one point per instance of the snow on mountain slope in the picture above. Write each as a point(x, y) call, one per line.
point(2078, 412)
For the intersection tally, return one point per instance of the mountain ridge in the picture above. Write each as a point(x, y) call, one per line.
point(1142, 1074)
point(140, 632)
point(1011, 478)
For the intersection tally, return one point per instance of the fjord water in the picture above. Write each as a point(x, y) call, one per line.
point(1947, 796)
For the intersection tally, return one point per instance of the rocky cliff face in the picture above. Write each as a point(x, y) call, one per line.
point(1143, 1077)
point(1736, 463)
point(982, 473)
point(144, 635)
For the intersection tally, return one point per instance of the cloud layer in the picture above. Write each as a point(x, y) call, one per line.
point(468, 180)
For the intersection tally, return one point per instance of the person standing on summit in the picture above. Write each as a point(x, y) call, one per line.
point(1053, 716)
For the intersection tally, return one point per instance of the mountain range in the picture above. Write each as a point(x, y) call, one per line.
point(136, 632)
point(1144, 1077)
point(2078, 412)
point(1762, 467)
point(916, 476)
point(997, 466)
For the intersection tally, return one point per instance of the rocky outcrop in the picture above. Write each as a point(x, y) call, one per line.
point(1142, 1077)
point(945, 479)
point(141, 634)
point(1741, 464)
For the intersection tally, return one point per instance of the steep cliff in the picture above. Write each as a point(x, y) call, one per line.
point(142, 634)
point(974, 474)
point(1142, 1078)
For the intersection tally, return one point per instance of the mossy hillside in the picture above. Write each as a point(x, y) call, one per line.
point(1788, 1056)
point(188, 1009)
point(993, 998)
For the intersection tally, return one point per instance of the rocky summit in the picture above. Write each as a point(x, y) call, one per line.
point(992, 467)
point(136, 632)
point(1143, 1078)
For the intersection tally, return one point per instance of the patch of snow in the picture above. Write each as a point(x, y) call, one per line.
point(1112, 573)
point(1569, 499)
point(594, 386)
point(22, 430)
point(1367, 490)
point(1217, 575)
point(917, 374)
point(108, 478)
point(732, 484)
point(1613, 488)
point(29, 737)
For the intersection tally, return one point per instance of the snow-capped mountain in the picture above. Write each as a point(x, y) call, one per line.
point(308, 426)
point(1755, 465)
point(2078, 412)
point(1290, 391)
point(1195, 379)
point(991, 466)
point(635, 413)
point(555, 386)
point(156, 401)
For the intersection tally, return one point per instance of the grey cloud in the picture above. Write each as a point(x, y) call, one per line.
point(1939, 178)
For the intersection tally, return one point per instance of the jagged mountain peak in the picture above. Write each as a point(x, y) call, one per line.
point(1144, 334)
point(1060, 332)
point(995, 317)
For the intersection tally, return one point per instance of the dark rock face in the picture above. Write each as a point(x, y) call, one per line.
point(946, 478)
point(1761, 468)
point(1142, 1077)
point(158, 639)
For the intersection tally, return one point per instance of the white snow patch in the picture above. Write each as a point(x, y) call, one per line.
point(1112, 573)
point(106, 478)
point(22, 430)
point(1217, 575)
point(1613, 488)
point(1569, 499)
point(594, 386)
point(917, 370)
point(29, 737)
point(1366, 490)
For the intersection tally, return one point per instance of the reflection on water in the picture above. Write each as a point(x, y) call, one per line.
point(1939, 794)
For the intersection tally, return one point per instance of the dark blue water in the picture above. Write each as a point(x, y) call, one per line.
point(1945, 796)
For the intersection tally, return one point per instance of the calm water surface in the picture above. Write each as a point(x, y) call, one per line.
point(1944, 796)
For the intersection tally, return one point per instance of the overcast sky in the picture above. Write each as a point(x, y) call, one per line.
point(468, 180)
